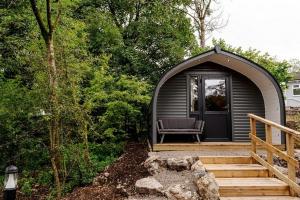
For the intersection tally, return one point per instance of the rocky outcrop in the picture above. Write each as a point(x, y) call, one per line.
point(206, 185)
point(148, 185)
point(180, 192)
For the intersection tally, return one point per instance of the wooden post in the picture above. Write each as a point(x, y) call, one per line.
point(253, 132)
point(290, 141)
point(269, 141)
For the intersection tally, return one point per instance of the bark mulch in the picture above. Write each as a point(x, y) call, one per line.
point(117, 181)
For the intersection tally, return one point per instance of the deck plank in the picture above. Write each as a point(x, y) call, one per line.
point(245, 146)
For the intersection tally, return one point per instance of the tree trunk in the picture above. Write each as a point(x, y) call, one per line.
point(54, 121)
point(202, 33)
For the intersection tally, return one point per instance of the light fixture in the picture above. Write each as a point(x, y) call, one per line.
point(10, 182)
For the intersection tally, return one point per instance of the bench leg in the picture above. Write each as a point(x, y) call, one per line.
point(162, 138)
point(198, 138)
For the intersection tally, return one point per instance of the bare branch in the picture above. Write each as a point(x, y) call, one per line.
point(207, 8)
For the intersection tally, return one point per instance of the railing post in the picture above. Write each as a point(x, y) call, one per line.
point(290, 152)
point(253, 132)
point(269, 141)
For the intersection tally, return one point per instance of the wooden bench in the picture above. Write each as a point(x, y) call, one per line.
point(179, 126)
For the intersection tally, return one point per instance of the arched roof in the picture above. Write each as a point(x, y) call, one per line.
point(264, 80)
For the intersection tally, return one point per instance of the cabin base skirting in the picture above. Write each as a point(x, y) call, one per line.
point(207, 146)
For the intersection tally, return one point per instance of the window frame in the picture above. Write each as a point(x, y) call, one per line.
point(190, 96)
point(293, 88)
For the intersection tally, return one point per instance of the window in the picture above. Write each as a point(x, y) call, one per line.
point(215, 95)
point(194, 94)
point(296, 89)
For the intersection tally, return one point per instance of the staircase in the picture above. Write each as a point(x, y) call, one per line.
point(239, 179)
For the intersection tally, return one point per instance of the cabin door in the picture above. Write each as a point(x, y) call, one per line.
point(209, 101)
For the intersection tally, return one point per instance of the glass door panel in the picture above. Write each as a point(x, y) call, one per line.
point(215, 94)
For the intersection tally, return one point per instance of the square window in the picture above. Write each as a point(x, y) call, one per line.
point(296, 90)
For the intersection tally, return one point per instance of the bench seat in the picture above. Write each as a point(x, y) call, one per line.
point(179, 126)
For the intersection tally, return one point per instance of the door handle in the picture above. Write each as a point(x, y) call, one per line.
point(227, 107)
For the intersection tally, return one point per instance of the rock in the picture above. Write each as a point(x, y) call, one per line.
point(191, 160)
point(198, 166)
point(198, 170)
point(297, 154)
point(179, 192)
point(106, 174)
point(179, 164)
point(148, 185)
point(282, 169)
point(152, 164)
point(208, 188)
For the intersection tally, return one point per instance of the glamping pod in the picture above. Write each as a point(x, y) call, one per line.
point(218, 89)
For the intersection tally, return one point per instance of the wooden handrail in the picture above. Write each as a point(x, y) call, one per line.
point(292, 163)
point(280, 127)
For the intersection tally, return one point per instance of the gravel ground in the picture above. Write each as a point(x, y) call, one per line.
point(168, 178)
point(172, 177)
point(139, 197)
point(175, 154)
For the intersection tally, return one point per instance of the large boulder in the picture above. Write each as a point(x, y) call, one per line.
point(148, 185)
point(177, 164)
point(180, 192)
point(208, 188)
point(180, 164)
point(154, 163)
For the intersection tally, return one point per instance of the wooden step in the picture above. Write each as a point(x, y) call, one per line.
point(225, 159)
point(261, 198)
point(252, 187)
point(237, 170)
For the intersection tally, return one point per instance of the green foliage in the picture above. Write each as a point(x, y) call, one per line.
point(45, 178)
point(108, 55)
point(79, 170)
point(118, 104)
point(26, 183)
point(279, 69)
point(144, 38)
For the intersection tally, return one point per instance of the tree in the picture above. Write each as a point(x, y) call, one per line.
point(47, 33)
point(206, 19)
point(295, 65)
point(279, 69)
point(144, 38)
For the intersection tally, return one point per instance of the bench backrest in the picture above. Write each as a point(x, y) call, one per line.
point(178, 123)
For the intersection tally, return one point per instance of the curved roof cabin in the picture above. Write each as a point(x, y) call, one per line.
point(219, 88)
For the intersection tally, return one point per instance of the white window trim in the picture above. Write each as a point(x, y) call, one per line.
point(295, 95)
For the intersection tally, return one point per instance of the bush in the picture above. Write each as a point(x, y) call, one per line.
point(83, 170)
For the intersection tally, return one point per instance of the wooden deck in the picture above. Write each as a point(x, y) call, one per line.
point(207, 146)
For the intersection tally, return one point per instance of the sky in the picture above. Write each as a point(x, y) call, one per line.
point(271, 26)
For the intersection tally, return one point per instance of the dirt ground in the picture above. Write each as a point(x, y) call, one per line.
point(117, 181)
point(114, 183)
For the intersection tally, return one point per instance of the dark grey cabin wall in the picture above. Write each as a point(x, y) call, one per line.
point(245, 98)
point(172, 98)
